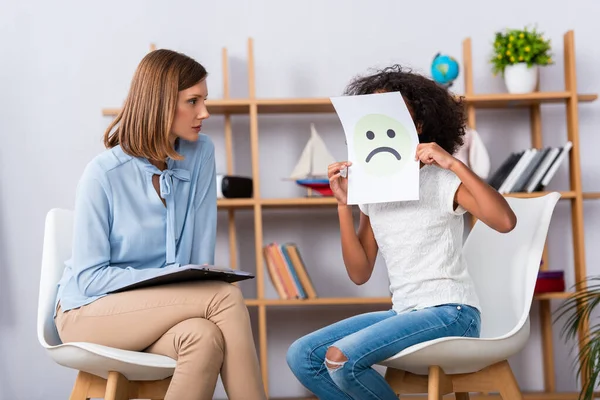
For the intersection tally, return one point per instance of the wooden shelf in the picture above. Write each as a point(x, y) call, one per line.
point(235, 203)
point(299, 202)
point(317, 201)
point(294, 106)
point(323, 104)
point(591, 195)
point(332, 301)
point(504, 100)
point(563, 195)
point(328, 301)
point(330, 201)
point(494, 100)
point(553, 296)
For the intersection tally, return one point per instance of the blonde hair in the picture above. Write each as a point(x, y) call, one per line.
point(144, 123)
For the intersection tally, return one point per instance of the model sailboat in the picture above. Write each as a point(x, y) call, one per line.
point(311, 169)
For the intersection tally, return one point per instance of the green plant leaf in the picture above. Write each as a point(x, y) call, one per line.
point(576, 312)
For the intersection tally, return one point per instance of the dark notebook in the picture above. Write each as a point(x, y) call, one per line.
point(189, 273)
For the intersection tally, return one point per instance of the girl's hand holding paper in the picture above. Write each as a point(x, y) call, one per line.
point(338, 181)
point(432, 153)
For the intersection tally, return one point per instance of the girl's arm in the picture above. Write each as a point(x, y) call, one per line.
point(474, 195)
point(483, 201)
point(359, 250)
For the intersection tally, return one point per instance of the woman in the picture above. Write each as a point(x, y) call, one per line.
point(146, 204)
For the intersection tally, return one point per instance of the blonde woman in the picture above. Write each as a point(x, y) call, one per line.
point(146, 204)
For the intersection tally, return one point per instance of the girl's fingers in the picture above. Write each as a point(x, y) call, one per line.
point(336, 167)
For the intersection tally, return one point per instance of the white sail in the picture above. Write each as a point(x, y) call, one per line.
point(303, 167)
point(314, 160)
point(321, 157)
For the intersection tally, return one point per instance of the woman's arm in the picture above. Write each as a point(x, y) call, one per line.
point(205, 223)
point(473, 194)
point(91, 246)
point(359, 250)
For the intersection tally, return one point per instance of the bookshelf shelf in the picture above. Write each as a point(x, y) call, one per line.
point(591, 195)
point(303, 202)
point(252, 107)
point(328, 301)
point(236, 203)
point(332, 301)
point(505, 100)
point(323, 105)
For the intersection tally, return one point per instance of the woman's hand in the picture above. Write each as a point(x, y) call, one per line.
point(337, 183)
point(432, 153)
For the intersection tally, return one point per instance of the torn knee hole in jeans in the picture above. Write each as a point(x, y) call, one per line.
point(335, 359)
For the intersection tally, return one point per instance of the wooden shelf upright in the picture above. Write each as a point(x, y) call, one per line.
point(253, 106)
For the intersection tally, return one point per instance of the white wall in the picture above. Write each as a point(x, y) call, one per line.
point(62, 62)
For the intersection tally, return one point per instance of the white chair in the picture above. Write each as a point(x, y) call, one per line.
point(504, 268)
point(104, 372)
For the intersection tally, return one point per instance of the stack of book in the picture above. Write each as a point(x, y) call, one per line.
point(288, 272)
point(550, 282)
point(529, 170)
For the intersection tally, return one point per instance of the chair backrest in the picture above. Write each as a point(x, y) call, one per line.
point(504, 266)
point(58, 236)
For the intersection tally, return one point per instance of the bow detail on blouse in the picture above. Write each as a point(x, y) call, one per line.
point(166, 180)
point(166, 186)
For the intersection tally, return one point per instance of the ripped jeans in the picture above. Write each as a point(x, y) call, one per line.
point(367, 339)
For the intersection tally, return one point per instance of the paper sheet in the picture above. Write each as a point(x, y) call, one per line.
point(382, 142)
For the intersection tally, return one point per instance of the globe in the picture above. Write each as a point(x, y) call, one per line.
point(444, 69)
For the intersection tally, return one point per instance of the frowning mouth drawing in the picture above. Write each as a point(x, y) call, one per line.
point(383, 149)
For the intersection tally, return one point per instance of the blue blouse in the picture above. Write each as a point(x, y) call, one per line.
point(123, 233)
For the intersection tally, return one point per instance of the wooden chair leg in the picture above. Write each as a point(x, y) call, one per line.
point(507, 383)
point(438, 384)
point(117, 387)
point(462, 396)
point(81, 387)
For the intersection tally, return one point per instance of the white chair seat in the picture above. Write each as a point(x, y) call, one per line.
point(504, 269)
point(458, 355)
point(100, 360)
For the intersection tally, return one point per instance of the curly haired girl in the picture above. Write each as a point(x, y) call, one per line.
point(433, 295)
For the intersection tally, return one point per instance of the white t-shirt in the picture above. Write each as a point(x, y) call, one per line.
point(421, 242)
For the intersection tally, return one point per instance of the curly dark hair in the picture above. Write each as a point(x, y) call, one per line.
point(440, 114)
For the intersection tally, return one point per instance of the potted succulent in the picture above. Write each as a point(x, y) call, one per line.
point(517, 55)
point(577, 310)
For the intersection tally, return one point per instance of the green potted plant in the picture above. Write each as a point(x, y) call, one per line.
point(576, 311)
point(517, 55)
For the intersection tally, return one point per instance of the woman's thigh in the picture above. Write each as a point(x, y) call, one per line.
point(135, 319)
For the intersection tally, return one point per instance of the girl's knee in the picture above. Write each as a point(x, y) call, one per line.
point(339, 367)
point(334, 358)
point(298, 354)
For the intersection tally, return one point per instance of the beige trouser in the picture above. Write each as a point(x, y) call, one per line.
point(204, 325)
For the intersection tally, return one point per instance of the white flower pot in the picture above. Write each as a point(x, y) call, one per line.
point(519, 78)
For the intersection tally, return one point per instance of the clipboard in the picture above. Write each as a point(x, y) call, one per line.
point(189, 273)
